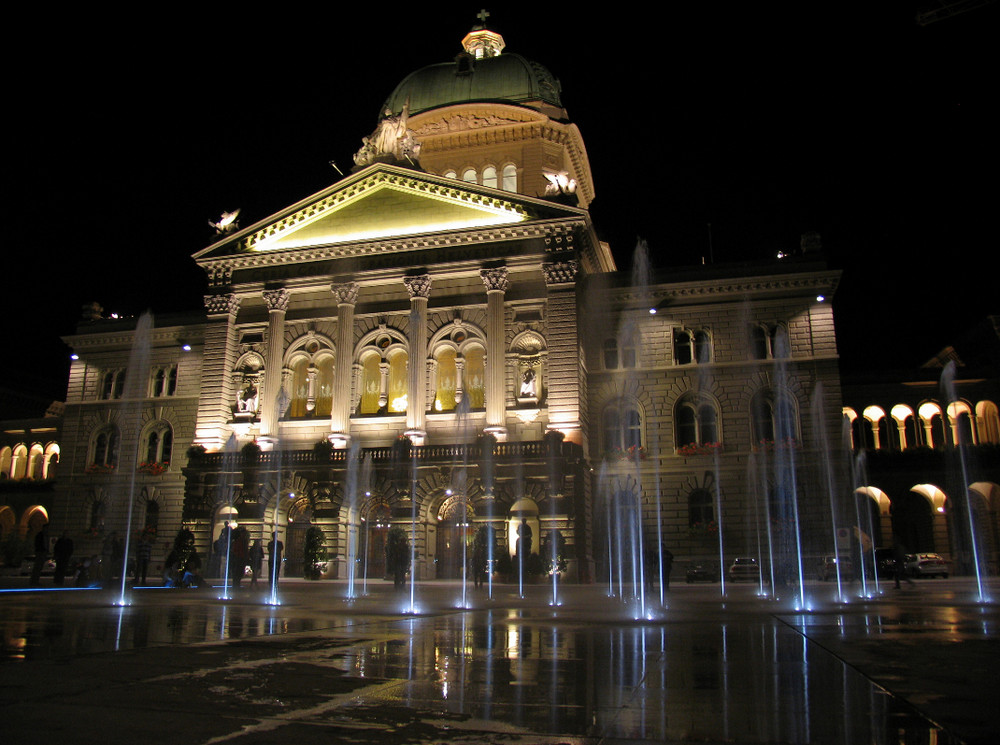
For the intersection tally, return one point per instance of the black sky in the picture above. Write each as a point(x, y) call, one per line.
point(847, 119)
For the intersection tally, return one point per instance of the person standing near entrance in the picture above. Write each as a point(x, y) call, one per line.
point(41, 555)
point(62, 552)
point(256, 561)
point(143, 554)
point(666, 565)
point(274, 550)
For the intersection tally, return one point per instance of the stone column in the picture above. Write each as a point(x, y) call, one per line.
point(277, 304)
point(218, 392)
point(565, 372)
point(496, 282)
point(416, 402)
point(340, 414)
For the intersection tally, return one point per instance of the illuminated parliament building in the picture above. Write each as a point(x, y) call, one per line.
point(440, 341)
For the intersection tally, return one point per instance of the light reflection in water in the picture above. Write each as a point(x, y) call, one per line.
point(686, 680)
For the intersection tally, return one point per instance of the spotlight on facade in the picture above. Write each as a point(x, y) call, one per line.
point(782, 254)
point(74, 356)
point(820, 298)
point(186, 347)
point(652, 311)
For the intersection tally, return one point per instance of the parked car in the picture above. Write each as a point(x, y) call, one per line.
point(702, 573)
point(744, 568)
point(885, 562)
point(827, 568)
point(926, 565)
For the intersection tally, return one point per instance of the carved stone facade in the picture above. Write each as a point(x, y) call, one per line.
point(408, 342)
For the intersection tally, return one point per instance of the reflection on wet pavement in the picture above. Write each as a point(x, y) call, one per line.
point(243, 671)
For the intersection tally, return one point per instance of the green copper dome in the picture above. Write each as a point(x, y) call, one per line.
point(505, 78)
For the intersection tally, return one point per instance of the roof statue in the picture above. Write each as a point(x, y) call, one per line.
point(391, 138)
point(561, 187)
point(227, 223)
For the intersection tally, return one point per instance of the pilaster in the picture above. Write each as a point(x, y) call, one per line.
point(277, 305)
point(340, 415)
point(497, 282)
point(565, 371)
point(217, 388)
point(419, 288)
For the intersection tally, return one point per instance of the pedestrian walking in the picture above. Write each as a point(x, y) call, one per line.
point(62, 552)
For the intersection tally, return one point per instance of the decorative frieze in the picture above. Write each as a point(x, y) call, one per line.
point(217, 305)
point(277, 299)
point(496, 280)
point(219, 275)
point(419, 286)
point(560, 272)
point(346, 293)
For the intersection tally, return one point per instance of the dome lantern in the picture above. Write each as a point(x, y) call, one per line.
point(480, 42)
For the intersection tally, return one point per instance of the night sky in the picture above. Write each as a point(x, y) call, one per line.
point(848, 119)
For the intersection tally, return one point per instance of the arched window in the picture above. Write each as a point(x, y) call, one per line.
point(450, 174)
point(475, 377)
point(5, 462)
point(397, 382)
point(490, 177)
point(50, 461)
point(850, 418)
point(324, 385)
point(35, 456)
point(697, 422)
point(19, 466)
point(610, 354)
point(629, 352)
point(700, 510)
point(691, 345)
point(447, 380)
point(308, 377)
point(370, 384)
point(469, 174)
point(874, 417)
point(988, 419)
point(769, 341)
point(460, 375)
point(163, 381)
point(620, 352)
point(112, 384)
point(159, 442)
point(960, 419)
point(773, 419)
point(509, 177)
point(622, 429)
point(104, 451)
point(298, 388)
point(905, 434)
point(930, 417)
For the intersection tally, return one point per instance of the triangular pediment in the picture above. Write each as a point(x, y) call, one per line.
point(385, 203)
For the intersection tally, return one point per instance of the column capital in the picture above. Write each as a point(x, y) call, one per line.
point(419, 286)
point(277, 299)
point(346, 293)
point(495, 279)
point(560, 272)
point(225, 304)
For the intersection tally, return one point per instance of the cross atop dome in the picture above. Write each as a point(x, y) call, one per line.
point(480, 42)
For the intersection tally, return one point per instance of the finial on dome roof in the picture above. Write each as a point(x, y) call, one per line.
point(480, 42)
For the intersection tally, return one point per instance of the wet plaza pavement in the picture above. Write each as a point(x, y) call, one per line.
point(910, 666)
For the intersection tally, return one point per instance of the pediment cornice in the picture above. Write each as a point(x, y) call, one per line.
point(557, 234)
